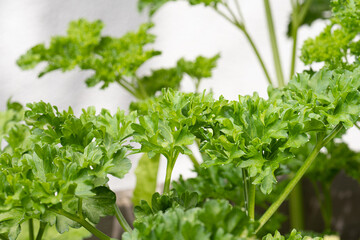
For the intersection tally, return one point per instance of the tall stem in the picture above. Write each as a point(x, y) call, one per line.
point(83, 222)
point(320, 143)
point(293, 53)
point(41, 230)
point(252, 190)
point(296, 208)
point(298, 16)
point(274, 45)
point(328, 206)
point(31, 229)
point(121, 219)
point(246, 190)
point(169, 169)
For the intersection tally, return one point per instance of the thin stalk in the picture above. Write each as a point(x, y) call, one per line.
point(197, 85)
point(31, 229)
point(239, 10)
point(224, 16)
point(143, 93)
point(232, 14)
point(296, 208)
point(246, 190)
point(297, 19)
point(253, 46)
point(274, 45)
point(293, 53)
point(251, 203)
point(262, 64)
point(327, 206)
point(121, 219)
point(194, 161)
point(83, 222)
point(41, 230)
point(321, 200)
point(127, 88)
point(273, 208)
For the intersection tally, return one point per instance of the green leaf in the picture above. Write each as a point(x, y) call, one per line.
point(99, 205)
point(110, 59)
point(215, 220)
point(146, 178)
point(63, 224)
point(10, 222)
point(318, 9)
point(294, 235)
point(52, 234)
point(336, 45)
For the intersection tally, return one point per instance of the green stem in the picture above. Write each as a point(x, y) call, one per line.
point(41, 230)
point(274, 45)
point(197, 85)
point(83, 222)
point(121, 219)
point(246, 190)
point(194, 161)
point(239, 11)
point(296, 208)
point(242, 28)
point(293, 53)
point(253, 46)
point(143, 93)
point(297, 19)
point(167, 179)
point(127, 88)
point(328, 206)
point(232, 14)
point(169, 168)
point(321, 199)
point(80, 212)
point(273, 208)
point(31, 229)
point(251, 204)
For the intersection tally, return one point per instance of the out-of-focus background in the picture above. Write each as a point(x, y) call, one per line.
point(182, 31)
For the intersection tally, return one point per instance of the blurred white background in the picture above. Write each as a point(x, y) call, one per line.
point(182, 31)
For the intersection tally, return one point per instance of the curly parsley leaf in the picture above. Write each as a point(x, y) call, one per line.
point(294, 235)
point(64, 167)
point(197, 70)
point(111, 59)
point(216, 219)
point(337, 45)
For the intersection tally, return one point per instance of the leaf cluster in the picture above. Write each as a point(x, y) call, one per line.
point(198, 69)
point(63, 167)
point(294, 235)
point(113, 60)
point(216, 219)
point(337, 45)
